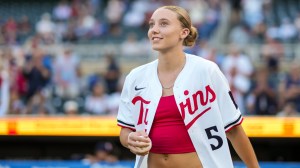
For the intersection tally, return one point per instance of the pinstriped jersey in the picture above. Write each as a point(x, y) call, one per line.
point(204, 101)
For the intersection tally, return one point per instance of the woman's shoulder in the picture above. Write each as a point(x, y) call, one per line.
point(201, 62)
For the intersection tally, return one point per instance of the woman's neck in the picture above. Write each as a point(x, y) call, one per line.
point(171, 61)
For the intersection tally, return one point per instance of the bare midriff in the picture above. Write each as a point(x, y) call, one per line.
point(182, 160)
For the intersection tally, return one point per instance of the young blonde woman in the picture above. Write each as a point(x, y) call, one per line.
point(178, 111)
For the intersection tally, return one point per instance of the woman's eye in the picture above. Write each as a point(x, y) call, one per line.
point(163, 24)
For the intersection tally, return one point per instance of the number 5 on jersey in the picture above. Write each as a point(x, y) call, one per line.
point(209, 132)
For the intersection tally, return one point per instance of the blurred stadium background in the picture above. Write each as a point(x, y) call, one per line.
point(63, 62)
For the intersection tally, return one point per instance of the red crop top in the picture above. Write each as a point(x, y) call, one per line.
point(168, 133)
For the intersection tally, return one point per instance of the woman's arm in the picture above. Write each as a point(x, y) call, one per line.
point(138, 142)
point(124, 136)
point(242, 146)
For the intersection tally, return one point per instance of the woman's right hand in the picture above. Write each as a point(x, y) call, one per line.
point(139, 143)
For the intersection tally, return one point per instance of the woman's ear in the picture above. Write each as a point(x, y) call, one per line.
point(184, 33)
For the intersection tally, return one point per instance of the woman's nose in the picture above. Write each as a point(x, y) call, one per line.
point(155, 29)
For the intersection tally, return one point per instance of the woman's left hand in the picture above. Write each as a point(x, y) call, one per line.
point(139, 143)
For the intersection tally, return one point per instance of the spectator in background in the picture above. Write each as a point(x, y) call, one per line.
point(238, 68)
point(24, 25)
point(75, 8)
point(272, 49)
point(24, 28)
point(12, 94)
point(259, 32)
point(290, 87)
point(297, 25)
point(287, 30)
point(135, 17)
point(36, 74)
point(131, 47)
point(197, 10)
point(289, 110)
point(103, 153)
point(62, 12)
point(70, 34)
point(70, 108)
point(16, 105)
point(86, 23)
point(236, 8)
point(275, 74)
point(114, 13)
point(272, 31)
point(211, 20)
point(46, 29)
point(10, 31)
point(214, 56)
point(253, 12)
point(112, 73)
point(94, 79)
point(66, 70)
point(15, 65)
point(94, 6)
point(114, 98)
point(267, 10)
point(2, 39)
point(61, 28)
point(40, 105)
point(97, 102)
point(204, 49)
point(209, 53)
point(263, 97)
point(240, 34)
point(4, 88)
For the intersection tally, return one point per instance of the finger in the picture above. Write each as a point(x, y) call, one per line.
point(139, 144)
point(143, 139)
point(140, 151)
point(135, 137)
point(140, 148)
point(143, 144)
point(136, 150)
point(142, 133)
point(132, 137)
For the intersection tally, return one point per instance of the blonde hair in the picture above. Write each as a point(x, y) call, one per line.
point(185, 20)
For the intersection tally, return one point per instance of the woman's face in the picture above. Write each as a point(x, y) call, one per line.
point(165, 30)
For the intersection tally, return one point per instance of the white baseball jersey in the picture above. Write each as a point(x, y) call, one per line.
point(203, 98)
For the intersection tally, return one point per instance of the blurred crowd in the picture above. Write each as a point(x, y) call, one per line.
point(35, 81)
point(42, 85)
point(262, 86)
point(257, 21)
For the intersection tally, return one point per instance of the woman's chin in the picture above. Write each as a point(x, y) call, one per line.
point(157, 48)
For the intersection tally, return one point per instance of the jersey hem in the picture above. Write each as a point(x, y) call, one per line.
point(133, 129)
point(233, 126)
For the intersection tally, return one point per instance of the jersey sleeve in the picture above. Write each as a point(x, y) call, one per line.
point(229, 110)
point(124, 117)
